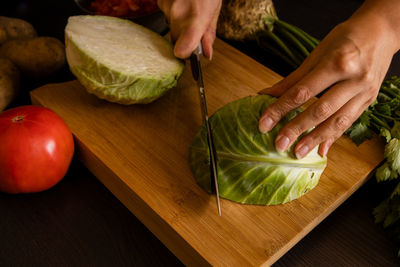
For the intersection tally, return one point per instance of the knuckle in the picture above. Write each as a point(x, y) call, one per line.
point(292, 131)
point(367, 77)
point(300, 95)
point(341, 123)
point(346, 65)
point(371, 86)
point(273, 113)
point(314, 138)
point(371, 94)
point(195, 13)
point(322, 111)
point(279, 109)
point(212, 31)
point(347, 59)
point(369, 100)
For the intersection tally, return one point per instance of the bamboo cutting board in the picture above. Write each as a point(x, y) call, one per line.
point(140, 153)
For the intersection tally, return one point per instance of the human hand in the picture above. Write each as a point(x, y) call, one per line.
point(191, 21)
point(352, 62)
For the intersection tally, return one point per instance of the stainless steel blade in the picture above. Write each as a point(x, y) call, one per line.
point(198, 76)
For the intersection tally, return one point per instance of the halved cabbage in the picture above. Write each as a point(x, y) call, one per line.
point(250, 170)
point(119, 60)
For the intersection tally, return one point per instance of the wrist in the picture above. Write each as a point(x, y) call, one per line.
point(370, 29)
point(380, 19)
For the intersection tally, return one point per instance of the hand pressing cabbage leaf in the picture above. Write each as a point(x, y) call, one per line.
point(250, 170)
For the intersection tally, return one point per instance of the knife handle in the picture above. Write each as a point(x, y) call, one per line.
point(199, 50)
point(195, 62)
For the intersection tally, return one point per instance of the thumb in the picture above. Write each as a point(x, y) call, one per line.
point(187, 41)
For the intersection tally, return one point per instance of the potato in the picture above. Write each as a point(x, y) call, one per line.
point(9, 82)
point(36, 57)
point(3, 35)
point(17, 28)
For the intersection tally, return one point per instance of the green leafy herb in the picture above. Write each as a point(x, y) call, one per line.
point(383, 118)
point(360, 130)
point(388, 214)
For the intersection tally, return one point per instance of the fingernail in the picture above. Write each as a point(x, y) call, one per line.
point(178, 54)
point(325, 148)
point(302, 151)
point(325, 151)
point(265, 91)
point(180, 50)
point(210, 56)
point(265, 125)
point(282, 143)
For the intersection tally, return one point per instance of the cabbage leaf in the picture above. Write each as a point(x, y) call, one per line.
point(120, 61)
point(250, 169)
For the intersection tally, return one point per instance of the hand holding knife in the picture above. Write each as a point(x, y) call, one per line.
point(198, 77)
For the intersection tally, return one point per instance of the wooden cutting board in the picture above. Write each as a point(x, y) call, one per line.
point(140, 153)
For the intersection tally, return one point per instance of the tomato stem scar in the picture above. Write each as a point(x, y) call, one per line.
point(18, 118)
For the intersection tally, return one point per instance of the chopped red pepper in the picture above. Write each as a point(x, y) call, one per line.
point(124, 8)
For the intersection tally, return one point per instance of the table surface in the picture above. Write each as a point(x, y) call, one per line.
point(79, 222)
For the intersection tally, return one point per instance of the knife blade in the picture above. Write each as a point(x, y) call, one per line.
point(198, 77)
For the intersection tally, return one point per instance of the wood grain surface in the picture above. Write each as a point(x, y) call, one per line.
point(140, 153)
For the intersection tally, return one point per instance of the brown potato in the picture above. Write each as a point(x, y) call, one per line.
point(36, 57)
point(9, 82)
point(17, 28)
point(3, 35)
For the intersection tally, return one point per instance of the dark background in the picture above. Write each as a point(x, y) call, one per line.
point(80, 223)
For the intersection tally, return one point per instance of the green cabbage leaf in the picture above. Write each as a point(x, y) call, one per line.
point(120, 61)
point(250, 169)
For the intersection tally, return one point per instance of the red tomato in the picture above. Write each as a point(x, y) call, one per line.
point(36, 149)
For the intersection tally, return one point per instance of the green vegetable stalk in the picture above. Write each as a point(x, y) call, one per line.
point(256, 20)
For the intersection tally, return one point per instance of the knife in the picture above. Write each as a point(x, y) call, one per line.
point(198, 77)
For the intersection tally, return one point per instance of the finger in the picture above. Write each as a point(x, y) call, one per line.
point(208, 42)
point(313, 83)
point(164, 7)
point(188, 40)
point(330, 130)
point(191, 34)
point(324, 147)
point(210, 34)
point(319, 111)
point(283, 85)
point(183, 18)
point(209, 37)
